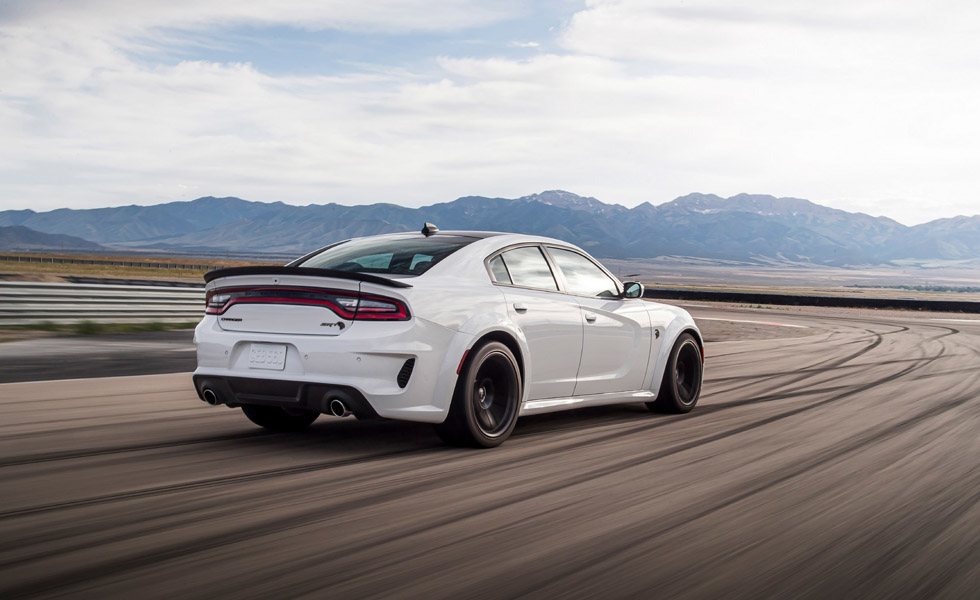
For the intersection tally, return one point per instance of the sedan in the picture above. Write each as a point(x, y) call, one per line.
point(464, 330)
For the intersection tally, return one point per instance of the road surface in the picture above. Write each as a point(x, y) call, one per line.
point(71, 357)
point(844, 462)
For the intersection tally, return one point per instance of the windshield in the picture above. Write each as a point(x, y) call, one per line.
point(387, 256)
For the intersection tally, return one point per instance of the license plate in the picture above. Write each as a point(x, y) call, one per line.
point(267, 356)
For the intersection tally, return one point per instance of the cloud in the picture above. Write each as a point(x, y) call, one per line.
point(859, 105)
point(377, 15)
point(798, 39)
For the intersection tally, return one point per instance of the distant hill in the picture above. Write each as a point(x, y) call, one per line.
point(956, 238)
point(141, 223)
point(23, 238)
point(743, 227)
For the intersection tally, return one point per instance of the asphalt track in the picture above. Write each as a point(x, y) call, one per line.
point(144, 353)
point(841, 464)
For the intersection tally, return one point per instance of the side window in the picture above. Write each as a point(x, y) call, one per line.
point(528, 268)
point(499, 271)
point(583, 276)
point(420, 263)
point(374, 261)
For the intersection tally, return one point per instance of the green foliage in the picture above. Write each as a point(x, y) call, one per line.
point(88, 328)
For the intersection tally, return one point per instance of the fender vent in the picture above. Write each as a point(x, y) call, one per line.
point(405, 373)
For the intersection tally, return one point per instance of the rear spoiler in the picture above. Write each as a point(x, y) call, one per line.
point(365, 277)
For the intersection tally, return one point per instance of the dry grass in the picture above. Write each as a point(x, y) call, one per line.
point(53, 271)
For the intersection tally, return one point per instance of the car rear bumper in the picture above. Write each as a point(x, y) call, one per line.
point(235, 391)
point(367, 364)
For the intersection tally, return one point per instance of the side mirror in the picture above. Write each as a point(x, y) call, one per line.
point(632, 289)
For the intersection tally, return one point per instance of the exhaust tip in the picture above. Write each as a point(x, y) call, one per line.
point(210, 397)
point(338, 408)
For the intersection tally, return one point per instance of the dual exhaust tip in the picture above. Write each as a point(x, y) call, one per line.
point(338, 407)
point(210, 397)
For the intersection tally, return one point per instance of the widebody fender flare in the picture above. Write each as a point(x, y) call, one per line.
point(479, 328)
point(681, 323)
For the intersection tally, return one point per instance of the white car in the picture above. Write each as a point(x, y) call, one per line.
point(464, 330)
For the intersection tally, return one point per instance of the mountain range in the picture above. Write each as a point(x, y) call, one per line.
point(18, 237)
point(743, 227)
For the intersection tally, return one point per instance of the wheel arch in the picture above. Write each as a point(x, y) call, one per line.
point(678, 325)
point(697, 337)
point(505, 338)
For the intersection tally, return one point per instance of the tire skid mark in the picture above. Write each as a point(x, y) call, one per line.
point(935, 583)
point(320, 465)
point(107, 450)
point(762, 484)
point(946, 373)
point(877, 339)
point(137, 413)
point(212, 482)
point(87, 428)
point(535, 493)
point(817, 370)
point(130, 394)
point(403, 492)
point(292, 522)
point(777, 343)
point(832, 363)
point(187, 519)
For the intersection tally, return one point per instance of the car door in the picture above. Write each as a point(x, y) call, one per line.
point(551, 322)
point(618, 334)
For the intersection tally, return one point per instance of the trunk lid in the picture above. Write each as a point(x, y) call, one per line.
point(289, 300)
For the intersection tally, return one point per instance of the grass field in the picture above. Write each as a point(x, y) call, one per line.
point(10, 333)
point(57, 266)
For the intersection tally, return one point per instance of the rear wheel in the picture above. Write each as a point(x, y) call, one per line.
point(274, 418)
point(681, 384)
point(487, 398)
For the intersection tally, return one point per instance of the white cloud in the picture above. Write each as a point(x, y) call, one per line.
point(375, 15)
point(856, 104)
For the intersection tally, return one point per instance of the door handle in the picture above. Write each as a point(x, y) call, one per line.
point(590, 317)
point(520, 307)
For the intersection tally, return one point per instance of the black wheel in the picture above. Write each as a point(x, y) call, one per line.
point(487, 398)
point(274, 418)
point(681, 385)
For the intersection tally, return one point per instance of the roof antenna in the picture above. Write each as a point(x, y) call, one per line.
point(429, 229)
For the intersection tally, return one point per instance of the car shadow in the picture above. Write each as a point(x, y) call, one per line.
point(380, 435)
point(580, 419)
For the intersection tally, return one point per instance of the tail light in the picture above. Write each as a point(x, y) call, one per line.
point(350, 305)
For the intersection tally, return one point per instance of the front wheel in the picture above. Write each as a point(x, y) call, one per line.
point(274, 418)
point(487, 398)
point(681, 384)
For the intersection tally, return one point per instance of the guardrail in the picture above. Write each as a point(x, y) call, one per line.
point(963, 306)
point(26, 303)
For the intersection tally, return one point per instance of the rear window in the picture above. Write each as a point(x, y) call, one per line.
point(528, 268)
point(387, 256)
point(499, 270)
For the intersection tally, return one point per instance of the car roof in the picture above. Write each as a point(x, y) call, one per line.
point(473, 234)
point(481, 235)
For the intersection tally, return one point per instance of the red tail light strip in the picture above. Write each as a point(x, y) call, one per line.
point(347, 304)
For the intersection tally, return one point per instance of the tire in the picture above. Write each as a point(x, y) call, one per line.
point(681, 384)
point(486, 401)
point(274, 418)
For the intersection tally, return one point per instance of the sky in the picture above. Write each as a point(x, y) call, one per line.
point(864, 105)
